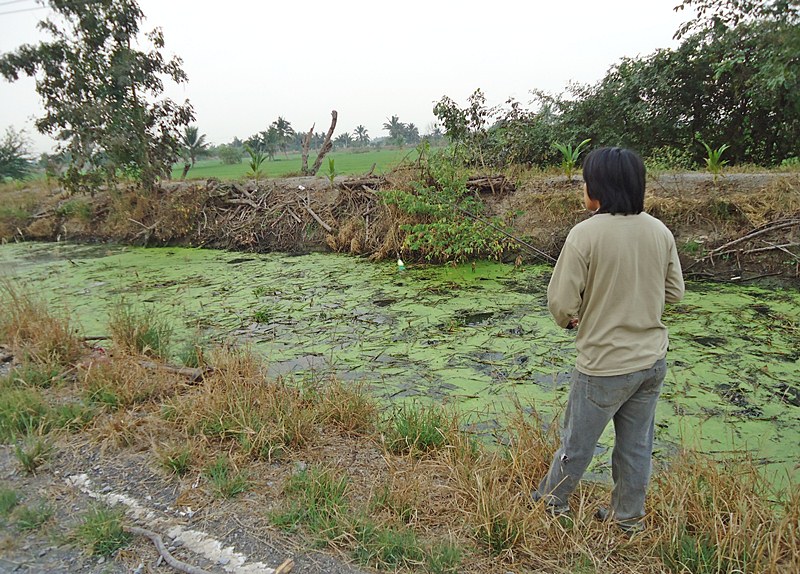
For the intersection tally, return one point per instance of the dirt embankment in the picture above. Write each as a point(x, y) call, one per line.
point(743, 225)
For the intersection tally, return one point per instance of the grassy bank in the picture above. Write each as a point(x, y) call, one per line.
point(404, 488)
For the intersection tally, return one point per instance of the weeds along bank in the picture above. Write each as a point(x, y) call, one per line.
point(395, 489)
point(743, 224)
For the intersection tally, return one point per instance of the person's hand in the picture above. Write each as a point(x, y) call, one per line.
point(573, 323)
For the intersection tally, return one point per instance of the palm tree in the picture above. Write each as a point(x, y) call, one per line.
point(284, 132)
point(411, 133)
point(194, 145)
point(396, 128)
point(361, 135)
point(344, 139)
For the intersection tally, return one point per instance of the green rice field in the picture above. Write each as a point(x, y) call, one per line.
point(351, 162)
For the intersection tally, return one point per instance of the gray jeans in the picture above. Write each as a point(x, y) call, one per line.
point(630, 400)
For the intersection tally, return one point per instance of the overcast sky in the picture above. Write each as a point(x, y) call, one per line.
point(249, 61)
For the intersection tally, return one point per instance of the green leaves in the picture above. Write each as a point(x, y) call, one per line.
point(713, 159)
point(570, 156)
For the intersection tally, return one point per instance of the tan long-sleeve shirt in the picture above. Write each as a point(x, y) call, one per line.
point(615, 273)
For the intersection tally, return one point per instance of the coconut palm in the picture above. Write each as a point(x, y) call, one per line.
point(284, 132)
point(194, 145)
point(411, 133)
point(396, 129)
point(361, 135)
point(344, 139)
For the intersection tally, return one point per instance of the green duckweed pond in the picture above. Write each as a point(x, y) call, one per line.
point(478, 337)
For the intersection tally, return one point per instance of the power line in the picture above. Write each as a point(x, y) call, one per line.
point(23, 10)
point(13, 2)
point(44, 5)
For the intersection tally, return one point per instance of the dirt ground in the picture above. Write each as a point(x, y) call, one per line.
point(219, 537)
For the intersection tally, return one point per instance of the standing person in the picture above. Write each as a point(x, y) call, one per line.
point(615, 272)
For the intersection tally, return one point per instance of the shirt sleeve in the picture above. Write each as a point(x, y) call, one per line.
point(565, 291)
point(674, 287)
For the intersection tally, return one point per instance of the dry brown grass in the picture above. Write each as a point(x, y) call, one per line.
point(236, 403)
point(18, 203)
point(32, 327)
point(123, 382)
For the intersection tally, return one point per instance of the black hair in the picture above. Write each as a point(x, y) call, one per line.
point(615, 177)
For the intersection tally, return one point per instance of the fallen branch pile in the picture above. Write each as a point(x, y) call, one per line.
point(265, 217)
point(756, 242)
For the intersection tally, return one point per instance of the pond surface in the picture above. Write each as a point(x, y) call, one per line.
point(477, 337)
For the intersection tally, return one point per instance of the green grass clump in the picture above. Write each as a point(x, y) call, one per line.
point(386, 547)
point(317, 500)
point(22, 411)
point(225, 479)
point(32, 452)
point(39, 375)
point(9, 499)
point(443, 558)
point(140, 331)
point(101, 531)
point(175, 459)
point(28, 518)
point(416, 428)
point(75, 208)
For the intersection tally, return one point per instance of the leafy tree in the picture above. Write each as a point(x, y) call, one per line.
point(230, 154)
point(469, 128)
point(362, 137)
point(194, 145)
point(714, 16)
point(100, 92)
point(16, 161)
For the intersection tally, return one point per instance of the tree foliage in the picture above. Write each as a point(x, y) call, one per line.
point(733, 80)
point(100, 92)
point(16, 161)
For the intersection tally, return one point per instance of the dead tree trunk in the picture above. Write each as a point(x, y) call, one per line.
point(306, 145)
point(326, 147)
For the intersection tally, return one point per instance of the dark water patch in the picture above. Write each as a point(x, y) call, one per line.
point(733, 394)
point(314, 363)
point(709, 340)
point(751, 412)
point(788, 394)
point(474, 319)
point(761, 309)
point(552, 380)
point(384, 302)
point(239, 260)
